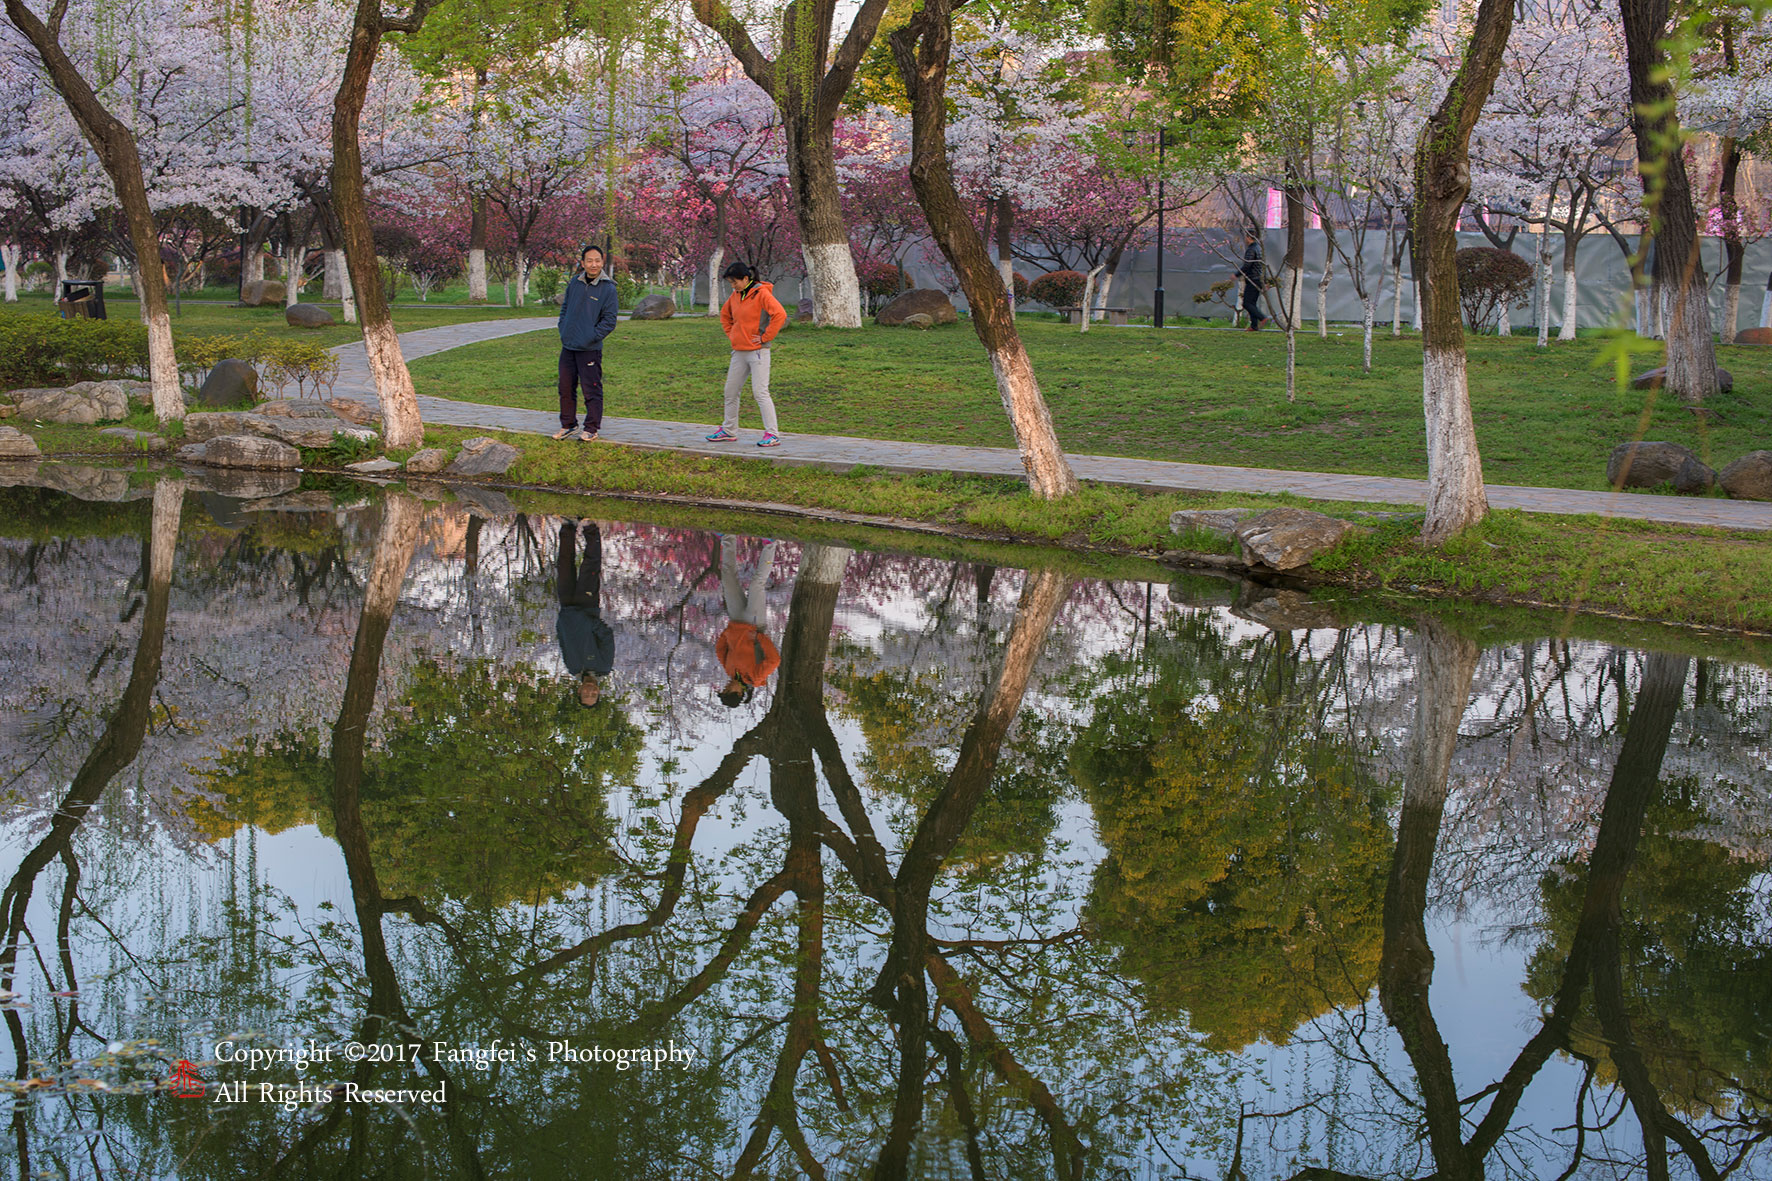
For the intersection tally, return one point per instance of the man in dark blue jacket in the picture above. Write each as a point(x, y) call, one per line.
point(587, 315)
point(1254, 277)
point(587, 643)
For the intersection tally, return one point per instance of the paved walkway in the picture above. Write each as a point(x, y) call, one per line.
point(839, 451)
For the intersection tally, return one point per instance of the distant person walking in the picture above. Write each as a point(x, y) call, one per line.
point(587, 642)
point(747, 655)
point(587, 316)
point(1254, 279)
point(751, 316)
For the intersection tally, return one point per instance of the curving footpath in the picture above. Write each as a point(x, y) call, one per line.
point(842, 452)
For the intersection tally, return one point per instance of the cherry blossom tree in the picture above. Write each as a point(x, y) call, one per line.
point(528, 160)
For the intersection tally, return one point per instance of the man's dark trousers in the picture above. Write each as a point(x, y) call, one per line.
point(1251, 304)
point(581, 369)
point(581, 586)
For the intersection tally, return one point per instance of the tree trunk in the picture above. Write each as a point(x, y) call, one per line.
point(61, 267)
point(1006, 248)
point(1735, 251)
point(295, 263)
point(1504, 322)
point(522, 280)
point(1084, 313)
point(347, 298)
point(393, 383)
point(332, 283)
point(1544, 273)
point(1368, 313)
point(1455, 496)
point(1323, 281)
point(1691, 354)
point(824, 238)
point(9, 254)
point(921, 51)
point(1571, 242)
point(714, 261)
point(115, 146)
point(1766, 305)
point(477, 250)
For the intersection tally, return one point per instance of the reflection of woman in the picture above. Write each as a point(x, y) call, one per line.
point(747, 655)
point(587, 644)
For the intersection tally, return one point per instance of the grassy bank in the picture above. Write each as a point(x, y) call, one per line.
point(1545, 417)
point(1705, 577)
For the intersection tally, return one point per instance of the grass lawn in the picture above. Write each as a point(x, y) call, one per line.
point(1205, 396)
point(211, 318)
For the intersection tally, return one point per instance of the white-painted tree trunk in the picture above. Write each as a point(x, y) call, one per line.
point(293, 263)
point(1544, 287)
point(1455, 495)
point(1418, 305)
point(1088, 296)
point(1323, 298)
point(1006, 272)
point(333, 286)
point(61, 269)
point(401, 426)
point(1731, 312)
point(1397, 300)
point(169, 398)
point(714, 261)
point(1766, 308)
point(347, 295)
point(477, 276)
point(255, 266)
point(1104, 295)
point(1504, 325)
point(10, 254)
point(1368, 314)
point(522, 280)
point(141, 305)
point(1640, 302)
point(1571, 297)
point(836, 291)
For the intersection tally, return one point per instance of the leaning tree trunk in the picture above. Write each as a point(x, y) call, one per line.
point(1088, 294)
point(115, 146)
point(1455, 496)
point(1661, 160)
point(9, 254)
point(921, 51)
point(1006, 247)
point(477, 250)
point(393, 383)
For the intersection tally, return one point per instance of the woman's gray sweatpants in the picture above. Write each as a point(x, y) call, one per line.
point(754, 362)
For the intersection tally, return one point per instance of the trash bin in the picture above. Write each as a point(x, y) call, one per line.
point(82, 299)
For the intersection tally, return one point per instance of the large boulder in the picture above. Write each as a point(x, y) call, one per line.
point(244, 483)
point(481, 456)
point(295, 408)
point(1652, 464)
point(353, 411)
point(16, 445)
point(1653, 379)
point(297, 432)
point(919, 301)
point(82, 405)
point(250, 451)
point(381, 465)
point(262, 293)
point(427, 462)
point(654, 307)
point(1220, 522)
point(1754, 336)
point(484, 502)
point(1287, 538)
point(922, 321)
point(1748, 478)
point(231, 382)
point(82, 482)
point(1284, 610)
point(308, 315)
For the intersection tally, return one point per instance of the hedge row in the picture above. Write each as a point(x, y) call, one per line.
point(50, 351)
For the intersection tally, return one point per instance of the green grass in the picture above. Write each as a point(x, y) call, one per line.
point(1202, 396)
point(209, 318)
point(1705, 577)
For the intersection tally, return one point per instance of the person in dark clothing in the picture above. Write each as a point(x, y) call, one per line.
point(587, 643)
point(1254, 279)
point(587, 316)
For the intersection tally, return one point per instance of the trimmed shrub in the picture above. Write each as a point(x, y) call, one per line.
point(50, 351)
point(1490, 279)
point(1058, 289)
point(545, 283)
point(1021, 287)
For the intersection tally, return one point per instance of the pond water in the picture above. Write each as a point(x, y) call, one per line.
point(318, 865)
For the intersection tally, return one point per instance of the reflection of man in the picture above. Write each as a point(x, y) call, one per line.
point(747, 655)
point(587, 644)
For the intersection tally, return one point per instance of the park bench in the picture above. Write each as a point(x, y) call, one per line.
point(1114, 315)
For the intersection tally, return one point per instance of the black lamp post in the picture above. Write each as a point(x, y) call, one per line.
point(1157, 297)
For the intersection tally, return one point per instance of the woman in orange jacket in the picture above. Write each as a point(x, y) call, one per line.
point(747, 655)
point(751, 316)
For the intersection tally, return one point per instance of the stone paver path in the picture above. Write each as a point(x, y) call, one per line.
point(839, 451)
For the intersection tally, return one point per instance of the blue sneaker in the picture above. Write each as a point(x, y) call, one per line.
point(722, 436)
point(769, 439)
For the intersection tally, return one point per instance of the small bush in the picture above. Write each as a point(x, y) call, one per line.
point(879, 277)
point(545, 283)
point(1490, 279)
point(627, 288)
point(1021, 287)
point(1058, 289)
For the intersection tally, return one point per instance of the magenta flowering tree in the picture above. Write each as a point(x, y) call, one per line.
point(1090, 218)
